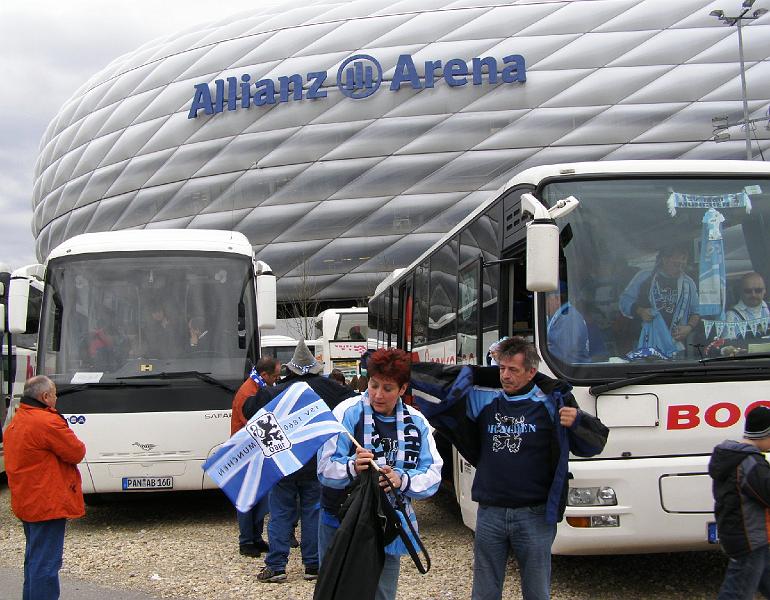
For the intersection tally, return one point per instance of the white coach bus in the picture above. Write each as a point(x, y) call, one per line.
point(341, 339)
point(680, 242)
point(147, 335)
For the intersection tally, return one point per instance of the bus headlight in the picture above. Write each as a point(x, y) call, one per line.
point(592, 496)
point(594, 521)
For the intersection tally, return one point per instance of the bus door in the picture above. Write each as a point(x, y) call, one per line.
point(520, 306)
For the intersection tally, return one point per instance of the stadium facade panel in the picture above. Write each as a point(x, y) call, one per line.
point(345, 138)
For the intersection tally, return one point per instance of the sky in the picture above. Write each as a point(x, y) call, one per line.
point(48, 49)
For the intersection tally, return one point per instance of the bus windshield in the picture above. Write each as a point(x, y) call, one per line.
point(352, 327)
point(107, 317)
point(658, 270)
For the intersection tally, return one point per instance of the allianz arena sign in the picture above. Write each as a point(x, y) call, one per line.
point(358, 77)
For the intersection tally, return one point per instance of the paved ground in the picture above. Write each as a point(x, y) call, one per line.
point(11, 581)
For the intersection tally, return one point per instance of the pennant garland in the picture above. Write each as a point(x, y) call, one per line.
point(737, 329)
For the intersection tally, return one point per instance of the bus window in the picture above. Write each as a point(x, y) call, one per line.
point(468, 314)
point(420, 305)
point(443, 293)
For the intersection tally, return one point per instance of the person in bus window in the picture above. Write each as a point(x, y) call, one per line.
point(159, 334)
point(355, 333)
point(741, 478)
point(200, 338)
point(750, 315)
point(665, 301)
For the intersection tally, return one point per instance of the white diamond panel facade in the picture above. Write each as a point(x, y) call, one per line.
point(335, 191)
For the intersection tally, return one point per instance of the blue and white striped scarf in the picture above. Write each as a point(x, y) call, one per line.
point(396, 547)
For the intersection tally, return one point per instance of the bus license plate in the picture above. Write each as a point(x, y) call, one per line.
point(148, 483)
point(713, 536)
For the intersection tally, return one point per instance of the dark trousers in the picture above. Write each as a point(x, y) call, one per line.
point(746, 575)
point(43, 558)
point(251, 524)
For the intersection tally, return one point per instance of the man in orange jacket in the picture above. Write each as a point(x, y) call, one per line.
point(41, 457)
point(251, 524)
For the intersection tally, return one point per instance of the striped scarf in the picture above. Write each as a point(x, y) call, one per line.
point(369, 431)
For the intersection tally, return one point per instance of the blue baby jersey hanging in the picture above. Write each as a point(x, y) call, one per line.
point(712, 282)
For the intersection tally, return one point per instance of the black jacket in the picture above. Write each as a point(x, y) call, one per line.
point(331, 392)
point(741, 488)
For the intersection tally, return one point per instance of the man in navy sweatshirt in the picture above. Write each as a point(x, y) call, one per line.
point(525, 434)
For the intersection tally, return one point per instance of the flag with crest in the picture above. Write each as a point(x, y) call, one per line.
point(277, 441)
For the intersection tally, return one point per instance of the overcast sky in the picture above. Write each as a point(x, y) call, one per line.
point(48, 49)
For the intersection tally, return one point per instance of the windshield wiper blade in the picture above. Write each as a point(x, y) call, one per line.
point(79, 387)
point(602, 388)
point(739, 357)
point(183, 375)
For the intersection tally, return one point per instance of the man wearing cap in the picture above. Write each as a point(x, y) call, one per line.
point(41, 457)
point(741, 488)
point(303, 484)
point(252, 523)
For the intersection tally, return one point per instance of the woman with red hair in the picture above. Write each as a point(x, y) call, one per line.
point(396, 437)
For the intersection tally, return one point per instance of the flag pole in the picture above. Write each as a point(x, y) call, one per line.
point(357, 445)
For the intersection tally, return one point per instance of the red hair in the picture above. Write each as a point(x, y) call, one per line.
point(390, 363)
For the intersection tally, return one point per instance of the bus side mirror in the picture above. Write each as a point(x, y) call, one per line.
point(543, 241)
point(266, 301)
point(18, 299)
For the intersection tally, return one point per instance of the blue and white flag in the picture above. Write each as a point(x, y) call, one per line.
point(275, 442)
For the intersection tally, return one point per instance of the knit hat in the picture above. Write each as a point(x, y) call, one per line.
point(757, 423)
point(303, 362)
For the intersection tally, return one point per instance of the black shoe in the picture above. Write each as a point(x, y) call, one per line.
point(311, 573)
point(262, 546)
point(267, 575)
point(293, 541)
point(250, 550)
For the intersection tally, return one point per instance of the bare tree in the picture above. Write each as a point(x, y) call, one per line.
point(302, 305)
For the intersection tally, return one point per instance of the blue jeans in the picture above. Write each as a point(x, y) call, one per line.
point(43, 558)
point(388, 584)
point(746, 575)
point(521, 530)
point(251, 524)
point(283, 516)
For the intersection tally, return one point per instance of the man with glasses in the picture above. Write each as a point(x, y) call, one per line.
point(750, 314)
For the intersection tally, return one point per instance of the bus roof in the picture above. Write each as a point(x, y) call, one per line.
point(202, 240)
point(535, 175)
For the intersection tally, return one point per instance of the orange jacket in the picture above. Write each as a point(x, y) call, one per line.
point(41, 454)
point(247, 389)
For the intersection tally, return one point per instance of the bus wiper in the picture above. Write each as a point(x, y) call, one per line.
point(596, 390)
point(79, 387)
point(738, 357)
point(183, 375)
point(699, 369)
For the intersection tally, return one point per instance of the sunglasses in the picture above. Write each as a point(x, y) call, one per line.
point(757, 290)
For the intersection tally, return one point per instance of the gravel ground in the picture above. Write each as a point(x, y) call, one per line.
point(185, 546)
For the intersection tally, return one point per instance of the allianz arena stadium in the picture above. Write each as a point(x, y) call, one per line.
point(344, 138)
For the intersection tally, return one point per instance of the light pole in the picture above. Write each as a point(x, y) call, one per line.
point(738, 21)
